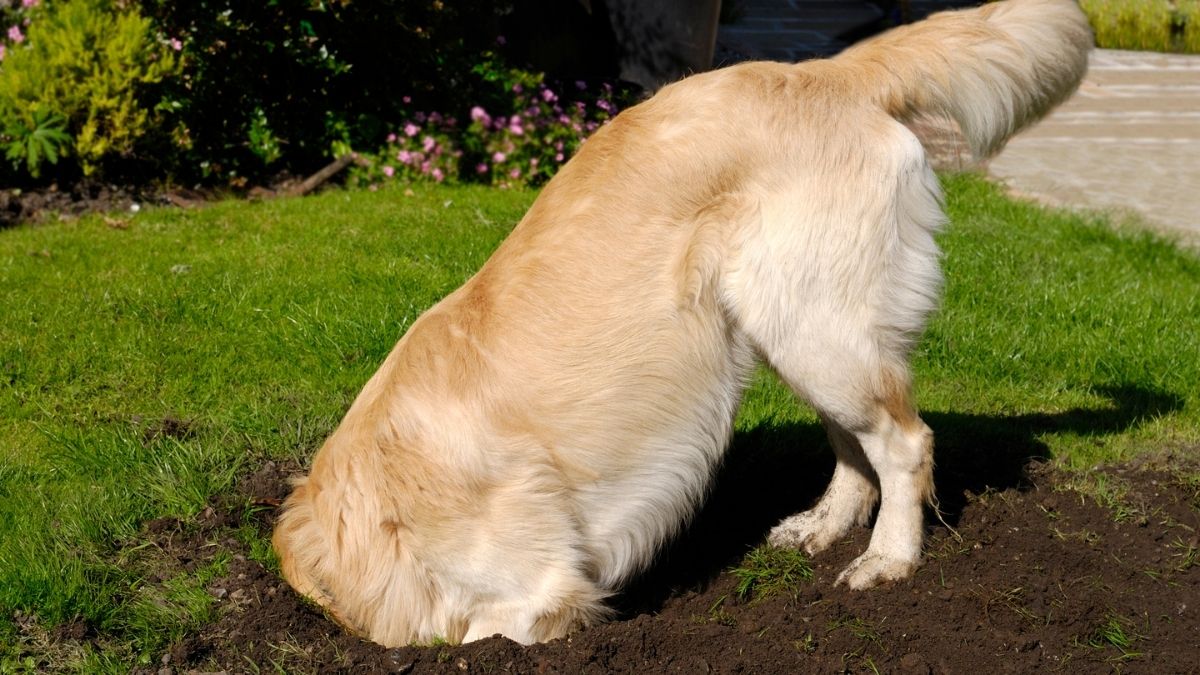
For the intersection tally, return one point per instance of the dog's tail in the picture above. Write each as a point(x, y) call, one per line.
point(994, 69)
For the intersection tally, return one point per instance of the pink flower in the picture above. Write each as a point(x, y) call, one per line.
point(481, 168)
point(15, 34)
point(516, 128)
point(604, 105)
point(426, 166)
point(388, 171)
point(438, 175)
point(580, 85)
point(515, 173)
point(404, 156)
point(548, 96)
point(391, 138)
point(176, 44)
point(480, 115)
point(29, 3)
point(499, 157)
point(558, 157)
point(406, 99)
point(428, 143)
point(411, 129)
point(517, 88)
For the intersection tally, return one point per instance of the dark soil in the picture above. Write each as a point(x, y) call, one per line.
point(1049, 571)
point(48, 203)
point(41, 204)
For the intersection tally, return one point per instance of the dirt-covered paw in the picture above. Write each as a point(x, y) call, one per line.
point(870, 570)
point(806, 531)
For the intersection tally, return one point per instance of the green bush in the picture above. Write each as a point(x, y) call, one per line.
point(72, 85)
point(225, 91)
point(281, 85)
point(1153, 25)
point(1188, 12)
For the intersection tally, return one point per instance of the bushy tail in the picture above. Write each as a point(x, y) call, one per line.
point(994, 69)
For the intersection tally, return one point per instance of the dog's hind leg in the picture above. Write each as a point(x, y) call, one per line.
point(868, 410)
point(899, 447)
point(866, 403)
point(834, 307)
point(848, 501)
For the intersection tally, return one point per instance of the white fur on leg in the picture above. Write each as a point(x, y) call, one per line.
point(847, 502)
point(903, 460)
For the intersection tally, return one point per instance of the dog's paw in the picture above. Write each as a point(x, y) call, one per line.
point(869, 570)
point(808, 531)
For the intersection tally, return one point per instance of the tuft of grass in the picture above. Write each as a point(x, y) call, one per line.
point(806, 644)
point(1188, 553)
point(1190, 482)
point(859, 628)
point(1117, 632)
point(767, 571)
point(717, 614)
point(864, 631)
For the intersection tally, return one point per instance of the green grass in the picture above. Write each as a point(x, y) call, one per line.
point(1118, 633)
point(143, 369)
point(767, 571)
point(1152, 25)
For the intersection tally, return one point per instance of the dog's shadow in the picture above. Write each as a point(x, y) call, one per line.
point(771, 472)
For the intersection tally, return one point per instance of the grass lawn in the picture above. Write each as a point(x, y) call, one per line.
point(147, 361)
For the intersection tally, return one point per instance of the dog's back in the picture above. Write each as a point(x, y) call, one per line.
point(537, 435)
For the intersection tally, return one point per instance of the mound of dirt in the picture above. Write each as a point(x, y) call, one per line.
point(1038, 576)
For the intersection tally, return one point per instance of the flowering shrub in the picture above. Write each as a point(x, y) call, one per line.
point(71, 81)
point(233, 92)
point(540, 128)
point(424, 148)
point(269, 86)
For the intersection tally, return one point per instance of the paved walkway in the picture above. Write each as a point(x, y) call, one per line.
point(1129, 140)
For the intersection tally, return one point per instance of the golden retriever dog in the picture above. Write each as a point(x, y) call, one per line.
point(537, 436)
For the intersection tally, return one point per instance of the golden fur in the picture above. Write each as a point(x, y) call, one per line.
point(538, 434)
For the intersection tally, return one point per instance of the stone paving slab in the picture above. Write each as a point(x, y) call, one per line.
point(1129, 140)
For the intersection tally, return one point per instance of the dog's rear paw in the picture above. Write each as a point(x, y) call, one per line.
point(869, 570)
point(806, 531)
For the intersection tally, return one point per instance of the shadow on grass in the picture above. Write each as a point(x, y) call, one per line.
point(772, 472)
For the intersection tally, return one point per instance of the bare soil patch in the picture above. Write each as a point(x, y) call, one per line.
point(1051, 571)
